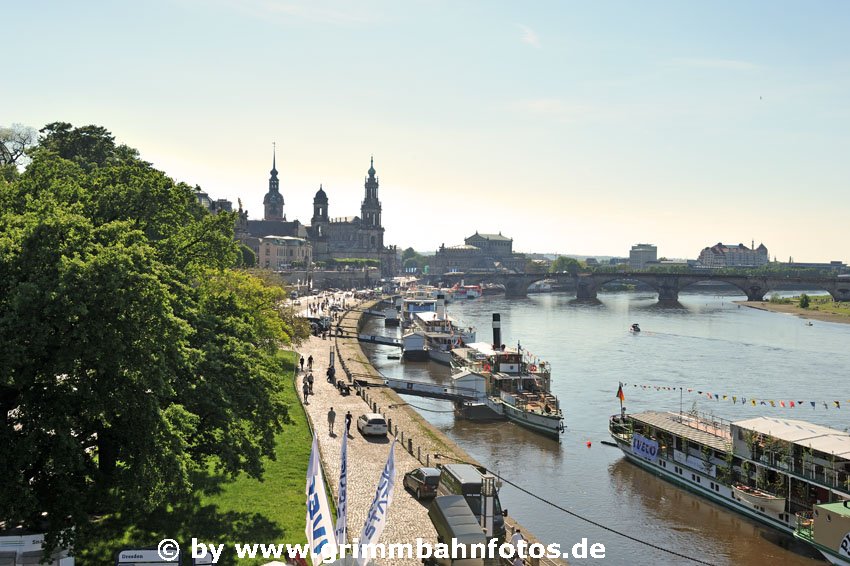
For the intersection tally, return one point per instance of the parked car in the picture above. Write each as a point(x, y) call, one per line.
point(422, 482)
point(372, 424)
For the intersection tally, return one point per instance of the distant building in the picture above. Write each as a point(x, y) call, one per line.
point(479, 252)
point(283, 252)
point(358, 237)
point(721, 255)
point(839, 266)
point(641, 254)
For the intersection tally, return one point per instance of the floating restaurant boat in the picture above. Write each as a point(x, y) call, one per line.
point(780, 472)
point(516, 387)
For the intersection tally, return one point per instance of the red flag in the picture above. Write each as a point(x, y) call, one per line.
point(620, 395)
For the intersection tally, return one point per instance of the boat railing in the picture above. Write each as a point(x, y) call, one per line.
point(620, 427)
point(706, 423)
point(805, 521)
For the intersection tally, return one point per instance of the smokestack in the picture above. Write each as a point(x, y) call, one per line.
point(497, 331)
point(441, 306)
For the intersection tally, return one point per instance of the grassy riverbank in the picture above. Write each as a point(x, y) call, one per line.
point(821, 308)
point(226, 511)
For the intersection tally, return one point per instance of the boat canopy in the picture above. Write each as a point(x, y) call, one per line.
point(821, 438)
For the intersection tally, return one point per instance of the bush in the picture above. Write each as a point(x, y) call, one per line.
point(804, 301)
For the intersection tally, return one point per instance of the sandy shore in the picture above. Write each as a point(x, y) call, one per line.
point(795, 310)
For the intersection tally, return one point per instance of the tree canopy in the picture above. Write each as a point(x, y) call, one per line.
point(134, 356)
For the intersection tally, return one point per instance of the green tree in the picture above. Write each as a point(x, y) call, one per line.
point(804, 301)
point(133, 357)
point(564, 264)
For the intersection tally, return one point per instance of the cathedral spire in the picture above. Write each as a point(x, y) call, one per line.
point(274, 160)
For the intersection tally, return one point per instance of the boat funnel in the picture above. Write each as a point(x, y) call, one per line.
point(497, 331)
point(441, 306)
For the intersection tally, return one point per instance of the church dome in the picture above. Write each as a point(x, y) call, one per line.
point(321, 196)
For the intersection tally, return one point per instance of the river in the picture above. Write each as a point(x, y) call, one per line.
point(707, 343)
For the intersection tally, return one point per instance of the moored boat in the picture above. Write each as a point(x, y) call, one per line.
point(768, 469)
point(518, 387)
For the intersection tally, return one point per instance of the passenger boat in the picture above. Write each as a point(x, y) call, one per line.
point(768, 469)
point(434, 334)
point(517, 387)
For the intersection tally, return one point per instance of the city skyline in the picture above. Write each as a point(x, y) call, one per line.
point(571, 128)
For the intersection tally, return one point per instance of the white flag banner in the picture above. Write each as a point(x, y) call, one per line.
point(342, 498)
point(319, 528)
point(376, 520)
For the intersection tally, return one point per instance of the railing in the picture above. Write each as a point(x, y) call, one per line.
point(805, 521)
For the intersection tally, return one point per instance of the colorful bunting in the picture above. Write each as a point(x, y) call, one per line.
point(785, 404)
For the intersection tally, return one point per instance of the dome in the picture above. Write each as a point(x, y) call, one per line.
point(321, 196)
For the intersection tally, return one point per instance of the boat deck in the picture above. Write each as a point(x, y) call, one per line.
point(713, 434)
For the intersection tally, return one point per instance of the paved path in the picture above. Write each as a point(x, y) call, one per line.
point(407, 517)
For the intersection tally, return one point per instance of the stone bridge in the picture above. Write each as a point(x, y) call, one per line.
point(668, 285)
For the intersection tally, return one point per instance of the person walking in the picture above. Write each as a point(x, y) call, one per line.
point(310, 362)
point(331, 419)
point(306, 390)
point(348, 423)
point(310, 382)
point(302, 364)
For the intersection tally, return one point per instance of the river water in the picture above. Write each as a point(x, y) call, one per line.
point(707, 343)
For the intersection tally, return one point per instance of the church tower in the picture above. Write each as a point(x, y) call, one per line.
point(370, 210)
point(320, 213)
point(370, 213)
point(273, 201)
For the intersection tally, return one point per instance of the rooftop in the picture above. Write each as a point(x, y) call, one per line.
point(838, 508)
point(713, 434)
point(817, 437)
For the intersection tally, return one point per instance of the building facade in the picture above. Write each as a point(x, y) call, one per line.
point(641, 254)
point(352, 237)
point(721, 255)
point(284, 252)
point(479, 252)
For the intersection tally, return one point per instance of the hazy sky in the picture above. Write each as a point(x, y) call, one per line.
point(580, 127)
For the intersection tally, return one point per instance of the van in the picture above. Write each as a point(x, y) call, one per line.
point(465, 480)
point(453, 519)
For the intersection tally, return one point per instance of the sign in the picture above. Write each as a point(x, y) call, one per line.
point(844, 548)
point(140, 556)
point(319, 528)
point(376, 519)
point(644, 447)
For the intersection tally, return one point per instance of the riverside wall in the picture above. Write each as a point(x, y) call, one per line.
point(416, 436)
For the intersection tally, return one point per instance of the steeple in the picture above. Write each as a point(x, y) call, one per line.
point(273, 201)
point(370, 210)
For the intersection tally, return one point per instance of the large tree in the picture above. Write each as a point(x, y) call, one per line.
point(133, 356)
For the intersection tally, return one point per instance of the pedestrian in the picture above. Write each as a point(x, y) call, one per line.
point(310, 382)
point(302, 364)
point(310, 362)
point(306, 389)
point(331, 419)
point(347, 423)
point(517, 536)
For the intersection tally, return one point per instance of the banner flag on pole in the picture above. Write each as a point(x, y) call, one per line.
point(376, 519)
point(342, 499)
point(319, 528)
point(620, 394)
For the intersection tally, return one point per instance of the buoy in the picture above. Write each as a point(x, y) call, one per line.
point(588, 444)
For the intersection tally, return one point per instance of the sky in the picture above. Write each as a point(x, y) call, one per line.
point(573, 127)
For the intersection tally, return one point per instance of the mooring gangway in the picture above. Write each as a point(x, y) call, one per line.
point(383, 340)
point(433, 390)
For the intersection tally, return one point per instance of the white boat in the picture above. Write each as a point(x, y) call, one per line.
point(758, 498)
point(413, 346)
point(723, 461)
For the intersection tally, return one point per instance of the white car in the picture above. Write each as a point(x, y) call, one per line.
point(372, 424)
